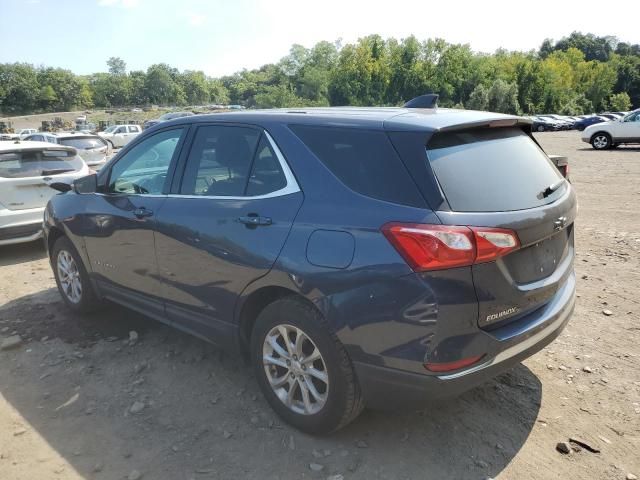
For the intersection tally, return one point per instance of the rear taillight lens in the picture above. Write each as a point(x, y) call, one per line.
point(437, 247)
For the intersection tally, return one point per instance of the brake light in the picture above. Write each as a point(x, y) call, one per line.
point(437, 247)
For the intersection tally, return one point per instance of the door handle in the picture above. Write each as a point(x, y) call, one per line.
point(255, 220)
point(142, 212)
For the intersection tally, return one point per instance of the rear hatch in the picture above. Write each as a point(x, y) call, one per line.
point(92, 148)
point(500, 177)
point(26, 172)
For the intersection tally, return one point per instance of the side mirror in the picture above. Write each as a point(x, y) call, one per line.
point(88, 184)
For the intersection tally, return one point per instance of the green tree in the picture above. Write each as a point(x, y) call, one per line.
point(277, 96)
point(160, 86)
point(19, 82)
point(620, 102)
point(503, 97)
point(195, 87)
point(117, 66)
point(479, 98)
point(218, 93)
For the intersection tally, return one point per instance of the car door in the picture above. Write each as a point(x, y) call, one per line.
point(628, 129)
point(120, 137)
point(223, 226)
point(120, 219)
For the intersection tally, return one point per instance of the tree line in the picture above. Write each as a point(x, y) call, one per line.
point(581, 73)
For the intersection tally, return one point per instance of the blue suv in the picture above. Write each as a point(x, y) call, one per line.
point(357, 257)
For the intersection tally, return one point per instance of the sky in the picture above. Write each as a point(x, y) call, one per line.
point(222, 37)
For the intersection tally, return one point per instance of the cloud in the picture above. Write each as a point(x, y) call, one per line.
point(196, 19)
point(119, 3)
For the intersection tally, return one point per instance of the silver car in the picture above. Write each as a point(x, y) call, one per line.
point(93, 149)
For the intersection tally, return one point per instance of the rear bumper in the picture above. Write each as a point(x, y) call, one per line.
point(389, 388)
point(20, 226)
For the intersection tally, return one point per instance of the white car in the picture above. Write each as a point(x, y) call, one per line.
point(611, 134)
point(26, 170)
point(93, 149)
point(19, 134)
point(119, 135)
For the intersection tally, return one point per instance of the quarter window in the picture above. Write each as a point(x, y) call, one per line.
point(364, 160)
point(144, 168)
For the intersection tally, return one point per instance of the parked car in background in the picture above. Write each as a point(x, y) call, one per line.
point(166, 117)
point(18, 134)
point(585, 122)
point(26, 170)
point(357, 256)
point(563, 122)
point(544, 124)
point(119, 135)
point(93, 149)
point(611, 134)
point(610, 116)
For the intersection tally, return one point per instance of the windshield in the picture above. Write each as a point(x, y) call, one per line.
point(37, 163)
point(492, 170)
point(83, 143)
point(111, 129)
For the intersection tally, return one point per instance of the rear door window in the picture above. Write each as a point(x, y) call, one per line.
point(492, 170)
point(364, 160)
point(219, 161)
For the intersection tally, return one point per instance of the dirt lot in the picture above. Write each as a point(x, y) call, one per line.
point(66, 393)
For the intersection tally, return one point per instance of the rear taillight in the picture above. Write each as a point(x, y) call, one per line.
point(437, 247)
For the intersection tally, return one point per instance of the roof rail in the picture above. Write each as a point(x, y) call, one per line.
point(429, 100)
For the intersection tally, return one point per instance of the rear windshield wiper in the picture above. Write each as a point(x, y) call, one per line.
point(552, 188)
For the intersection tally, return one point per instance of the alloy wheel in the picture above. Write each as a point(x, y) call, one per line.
point(69, 277)
point(601, 141)
point(295, 369)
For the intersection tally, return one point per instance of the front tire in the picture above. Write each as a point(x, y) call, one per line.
point(302, 369)
point(541, 128)
point(72, 278)
point(601, 141)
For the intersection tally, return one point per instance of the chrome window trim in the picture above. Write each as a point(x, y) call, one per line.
point(290, 187)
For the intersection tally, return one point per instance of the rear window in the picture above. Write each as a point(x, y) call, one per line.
point(492, 170)
point(83, 143)
point(38, 163)
point(364, 160)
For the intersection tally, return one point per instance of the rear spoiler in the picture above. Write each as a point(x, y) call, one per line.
point(429, 100)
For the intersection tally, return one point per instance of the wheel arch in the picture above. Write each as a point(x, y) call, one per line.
point(601, 132)
point(254, 303)
point(53, 235)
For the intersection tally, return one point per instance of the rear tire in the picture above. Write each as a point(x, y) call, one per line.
point(601, 141)
point(314, 361)
point(541, 128)
point(71, 277)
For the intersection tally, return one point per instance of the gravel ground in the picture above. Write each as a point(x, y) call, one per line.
point(79, 399)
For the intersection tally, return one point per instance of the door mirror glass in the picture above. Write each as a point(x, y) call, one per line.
point(84, 185)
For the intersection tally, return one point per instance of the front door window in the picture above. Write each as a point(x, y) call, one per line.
point(143, 169)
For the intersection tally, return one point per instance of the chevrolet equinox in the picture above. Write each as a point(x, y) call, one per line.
point(357, 257)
